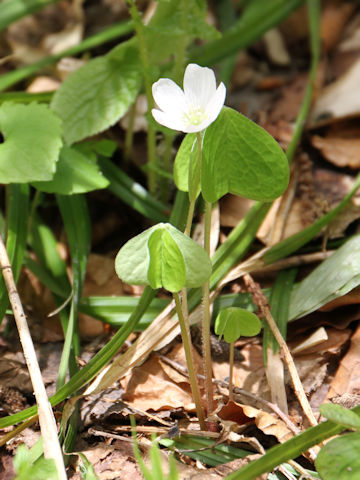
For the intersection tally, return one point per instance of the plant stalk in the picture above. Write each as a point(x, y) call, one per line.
point(151, 135)
point(206, 319)
point(185, 333)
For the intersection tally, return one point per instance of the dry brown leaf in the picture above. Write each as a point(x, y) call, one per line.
point(347, 377)
point(342, 152)
point(266, 422)
point(54, 28)
point(334, 17)
point(43, 84)
point(113, 462)
point(340, 99)
point(148, 387)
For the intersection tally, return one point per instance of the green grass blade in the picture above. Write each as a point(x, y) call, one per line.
point(279, 303)
point(44, 244)
point(76, 219)
point(254, 22)
point(107, 35)
point(132, 193)
point(26, 97)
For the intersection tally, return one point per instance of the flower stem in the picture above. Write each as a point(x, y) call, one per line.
point(183, 41)
point(129, 136)
point(185, 333)
point(144, 57)
point(206, 320)
point(193, 189)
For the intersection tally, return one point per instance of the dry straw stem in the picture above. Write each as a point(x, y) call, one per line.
point(47, 422)
point(261, 301)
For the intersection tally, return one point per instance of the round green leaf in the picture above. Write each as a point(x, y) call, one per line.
point(96, 95)
point(32, 142)
point(75, 173)
point(162, 256)
point(240, 157)
point(233, 322)
point(339, 459)
point(339, 414)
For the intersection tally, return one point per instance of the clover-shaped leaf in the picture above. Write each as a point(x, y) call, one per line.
point(233, 322)
point(239, 157)
point(162, 256)
point(32, 142)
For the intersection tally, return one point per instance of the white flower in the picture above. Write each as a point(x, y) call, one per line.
point(195, 107)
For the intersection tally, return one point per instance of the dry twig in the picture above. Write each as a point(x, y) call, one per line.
point(261, 301)
point(47, 422)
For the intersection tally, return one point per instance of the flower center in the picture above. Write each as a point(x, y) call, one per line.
point(195, 116)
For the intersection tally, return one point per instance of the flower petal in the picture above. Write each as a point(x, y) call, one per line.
point(216, 103)
point(199, 85)
point(168, 119)
point(168, 96)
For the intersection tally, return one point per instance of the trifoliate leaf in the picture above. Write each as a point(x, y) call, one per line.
point(240, 157)
point(233, 322)
point(162, 256)
point(96, 95)
point(32, 142)
point(75, 173)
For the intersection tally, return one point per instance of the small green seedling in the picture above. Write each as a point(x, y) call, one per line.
point(162, 256)
point(231, 323)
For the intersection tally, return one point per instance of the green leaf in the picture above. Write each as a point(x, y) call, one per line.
point(42, 469)
point(182, 161)
point(171, 23)
point(240, 157)
point(32, 143)
point(154, 260)
point(233, 322)
point(75, 173)
point(334, 277)
point(339, 414)
point(339, 459)
point(96, 95)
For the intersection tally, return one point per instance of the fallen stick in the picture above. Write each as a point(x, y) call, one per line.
point(47, 422)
